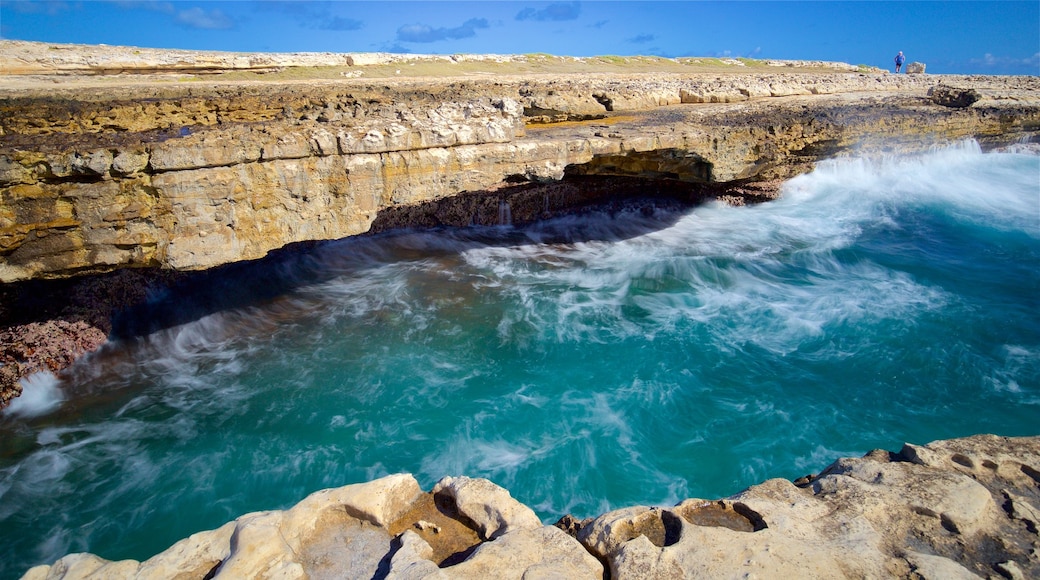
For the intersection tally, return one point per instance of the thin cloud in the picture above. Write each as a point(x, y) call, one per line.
point(395, 49)
point(205, 20)
point(311, 15)
point(340, 23)
point(641, 39)
point(163, 7)
point(50, 8)
point(301, 11)
point(425, 33)
point(989, 60)
point(599, 24)
point(556, 12)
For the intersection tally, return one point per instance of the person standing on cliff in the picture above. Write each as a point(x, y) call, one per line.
point(899, 60)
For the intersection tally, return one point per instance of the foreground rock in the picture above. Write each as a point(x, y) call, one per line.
point(962, 508)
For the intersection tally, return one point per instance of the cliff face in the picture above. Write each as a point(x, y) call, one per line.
point(964, 508)
point(191, 177)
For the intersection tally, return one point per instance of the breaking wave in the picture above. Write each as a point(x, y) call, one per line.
point(636, 355)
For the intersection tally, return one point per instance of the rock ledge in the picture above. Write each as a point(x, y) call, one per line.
point(960, 508)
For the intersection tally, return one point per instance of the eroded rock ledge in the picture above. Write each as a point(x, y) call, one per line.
point(191, 177)
point(139, 173)
point(961, 508)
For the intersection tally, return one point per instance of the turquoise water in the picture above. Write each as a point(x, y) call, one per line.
point(637, 355)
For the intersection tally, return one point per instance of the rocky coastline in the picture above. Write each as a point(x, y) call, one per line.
point(124, 171)
point(961, 508)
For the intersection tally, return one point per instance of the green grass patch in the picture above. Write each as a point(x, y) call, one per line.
point(533, 63)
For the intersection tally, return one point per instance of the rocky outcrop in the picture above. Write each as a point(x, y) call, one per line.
point(953, 97)
point(45, 59)
point(97, 177)
point(962, 508)
point(100, 176)
point(188, 178)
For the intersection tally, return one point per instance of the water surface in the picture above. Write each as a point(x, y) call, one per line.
point(640, 355)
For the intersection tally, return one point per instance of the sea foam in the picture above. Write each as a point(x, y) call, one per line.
point(620, 357)
point(41, 394)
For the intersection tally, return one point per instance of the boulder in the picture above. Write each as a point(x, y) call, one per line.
point(915, 68)
point(531, 553)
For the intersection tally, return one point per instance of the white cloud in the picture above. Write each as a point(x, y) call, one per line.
point(990, 60)
point(49, 7)
point(556, 11)
point(164, 7)
point(207, 20)
point(425, 33)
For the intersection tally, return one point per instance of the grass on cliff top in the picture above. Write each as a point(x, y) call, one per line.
point(534, 63)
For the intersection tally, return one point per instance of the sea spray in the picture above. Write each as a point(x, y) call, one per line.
point(41, 394)
point(636, 355)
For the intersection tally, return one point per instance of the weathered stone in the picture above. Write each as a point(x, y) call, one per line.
point(413, 560)
point(128, 162)
point(931, 566)
point(953, 97)
point(230, 173)
point(380, 501)
point(915, 68)
point(532, 553)
point(492, 510)
point(856, 520)
point(882, 515)
point(607, 533)
point(76, 566)
point(193, 557)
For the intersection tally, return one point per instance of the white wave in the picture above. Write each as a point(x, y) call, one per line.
point(995, 189)
point(464, 454)
point(1021, 366)
point(820, 458)
point(41, 394)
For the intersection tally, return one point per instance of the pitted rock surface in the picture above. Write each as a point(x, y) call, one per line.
point(961, 508)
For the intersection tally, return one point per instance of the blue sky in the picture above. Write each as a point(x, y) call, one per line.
point(996, 37)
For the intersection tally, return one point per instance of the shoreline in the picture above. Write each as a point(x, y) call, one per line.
point(47, 325)
point(107, 178)
point(951, 508)
point(113, 187)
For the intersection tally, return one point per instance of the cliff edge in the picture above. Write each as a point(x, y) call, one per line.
point(121, 168)
point(124, 168)
point(962, 508)
point(100, 173)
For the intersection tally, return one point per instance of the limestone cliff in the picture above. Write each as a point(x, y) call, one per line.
point(195, 175)
point(117, 161)
point(963, 508)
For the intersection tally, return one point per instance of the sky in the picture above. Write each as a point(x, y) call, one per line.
point(995, 37)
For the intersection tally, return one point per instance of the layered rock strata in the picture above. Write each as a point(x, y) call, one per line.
point(962, 508)
point(188, 178)
point(103, 174)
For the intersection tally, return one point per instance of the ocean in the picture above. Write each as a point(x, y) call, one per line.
point(639, 353)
